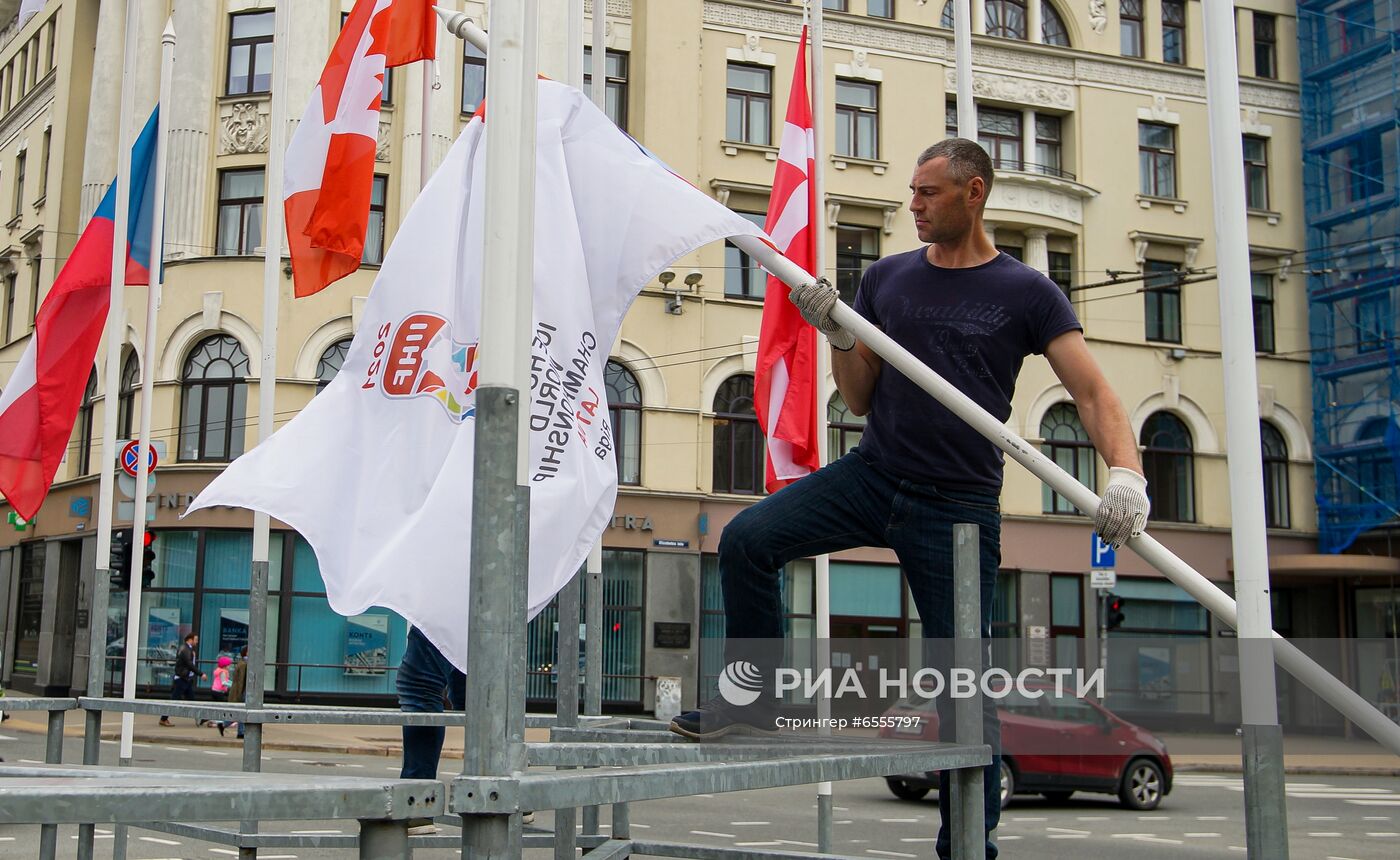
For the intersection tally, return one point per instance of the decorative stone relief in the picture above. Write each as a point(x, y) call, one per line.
point(614, 7)
point(1159, 112)
point(212, 309)
point(1251, 124)
point(1020, 90)
point(1016, 60)
point(1171, 390)
point(1008, 194)
point(243, 127)
point(859, 67)
point(1098, 15)
point(381, 146)
point(1267, 401)
point(752, 52)
point(789, 22)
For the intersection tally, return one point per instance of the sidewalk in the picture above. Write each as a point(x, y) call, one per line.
point(1189, 752)
point(350, 740)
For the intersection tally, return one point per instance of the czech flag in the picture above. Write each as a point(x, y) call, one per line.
point(41, 399)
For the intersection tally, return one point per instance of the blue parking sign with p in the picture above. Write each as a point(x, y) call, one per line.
point(1101, 554)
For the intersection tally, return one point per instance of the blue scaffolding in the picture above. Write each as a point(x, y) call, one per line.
point(1350, 67)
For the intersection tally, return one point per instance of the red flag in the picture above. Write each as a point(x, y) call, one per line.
point(333, 148)
point(785, 382)
point(41, 398)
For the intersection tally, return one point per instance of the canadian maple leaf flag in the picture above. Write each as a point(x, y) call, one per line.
point(329, 170)
point(785, 378)
point(376, 473)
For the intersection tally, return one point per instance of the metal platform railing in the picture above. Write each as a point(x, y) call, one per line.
point(599, 760)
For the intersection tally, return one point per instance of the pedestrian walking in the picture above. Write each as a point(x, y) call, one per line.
point(219, 687)
point(187, 674)
point(238, 687)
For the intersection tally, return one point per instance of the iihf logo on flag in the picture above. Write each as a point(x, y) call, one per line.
point(419, 358)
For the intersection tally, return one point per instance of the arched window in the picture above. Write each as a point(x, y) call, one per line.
point(844, 428)
point(738, 441)
point(1067, 443)
point(1007, 19)
point(126, 401)
point(1275, 476)
point(85, 425)
point(214, 400)
point(1052, 27)
point(1169, 463)
point(625, 413)
point(331, 361)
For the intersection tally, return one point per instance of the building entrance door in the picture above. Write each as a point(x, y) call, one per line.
point(863, 647)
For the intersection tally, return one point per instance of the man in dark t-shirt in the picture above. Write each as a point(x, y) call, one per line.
point(972, 315)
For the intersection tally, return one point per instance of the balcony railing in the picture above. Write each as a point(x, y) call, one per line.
point(1032, 167)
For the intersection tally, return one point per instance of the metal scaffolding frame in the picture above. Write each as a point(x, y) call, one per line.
point(598, 760)
point(1349, 56)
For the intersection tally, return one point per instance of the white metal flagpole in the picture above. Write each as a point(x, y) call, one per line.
point(962, 62)
point(116, 335)
point(425, 121)
point(1266, 813)
point(822, 567)
point(273, 229)
point(148, 359)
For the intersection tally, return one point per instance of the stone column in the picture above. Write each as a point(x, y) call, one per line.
point(100, 148)
point(198, 62)
point(979, 17)
point(1028, 140)
point(1037, 250)
point(1033, 21)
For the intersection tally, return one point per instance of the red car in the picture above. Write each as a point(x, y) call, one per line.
point(1055, 746)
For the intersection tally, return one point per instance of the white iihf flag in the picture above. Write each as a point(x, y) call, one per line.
point(376, 473)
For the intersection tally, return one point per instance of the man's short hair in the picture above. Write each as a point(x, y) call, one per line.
point(189, 636)
point(966, 159)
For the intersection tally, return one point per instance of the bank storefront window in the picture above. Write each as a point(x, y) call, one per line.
point(329, 653)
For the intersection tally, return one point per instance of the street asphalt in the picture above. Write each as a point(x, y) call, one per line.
point(1345, 814)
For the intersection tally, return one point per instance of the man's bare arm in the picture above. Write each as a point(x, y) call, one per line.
point(856, 371)
point(1099, 407)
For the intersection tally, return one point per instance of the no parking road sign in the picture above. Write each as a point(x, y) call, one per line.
point(128, 460)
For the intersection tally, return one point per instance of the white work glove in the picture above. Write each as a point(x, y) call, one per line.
point(1123, 511)
point(815, 301)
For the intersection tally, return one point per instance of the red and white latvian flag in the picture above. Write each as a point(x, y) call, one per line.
point(785, 382)
point(376, 473)
point(329, 169)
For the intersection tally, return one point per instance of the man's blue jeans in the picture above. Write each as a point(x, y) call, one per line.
point(425, 677)
point(852, 503)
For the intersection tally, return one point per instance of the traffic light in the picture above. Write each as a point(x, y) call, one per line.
point(120, 564)
point(148, 561)
point(1114, 619)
